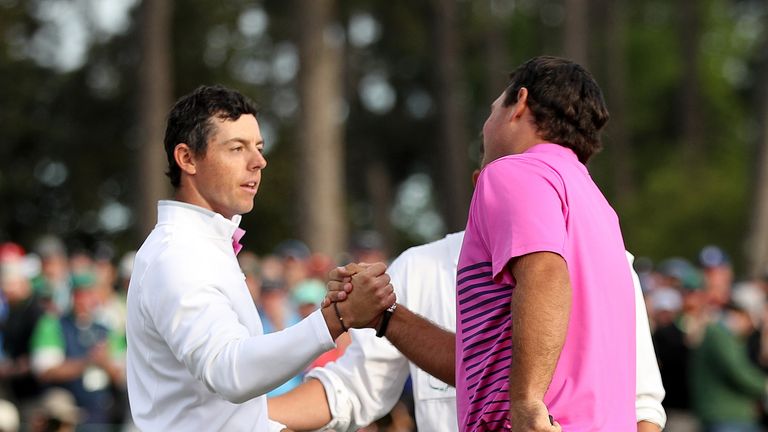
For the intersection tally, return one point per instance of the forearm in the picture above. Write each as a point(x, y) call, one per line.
point(14, 368)
point(237, 370)
point(66, 371)
point(363, 384)
point(332, 322)
point(116, 373)
point(540, 309)
point(648, 409)
point(429, 346)
point(649, 389)
point(645, 426)
point(303, 408)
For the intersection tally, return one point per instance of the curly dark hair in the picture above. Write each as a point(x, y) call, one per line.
point(566, 103)
point(190, 121)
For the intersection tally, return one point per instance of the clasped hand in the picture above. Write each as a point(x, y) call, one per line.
point(363, 291)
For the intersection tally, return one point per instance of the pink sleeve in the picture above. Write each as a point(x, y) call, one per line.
point(518, 211)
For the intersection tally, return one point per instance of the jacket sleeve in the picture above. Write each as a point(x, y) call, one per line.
point(363, 384)
point(734, 363)
point(202, 329)
point(649, 388)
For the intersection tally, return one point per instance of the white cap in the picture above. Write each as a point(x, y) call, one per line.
point(666, 299)
point(751, 298)
point(9, 416)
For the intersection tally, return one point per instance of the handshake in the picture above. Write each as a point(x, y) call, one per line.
point(360, 295)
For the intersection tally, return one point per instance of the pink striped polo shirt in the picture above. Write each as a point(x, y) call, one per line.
point(545, 200)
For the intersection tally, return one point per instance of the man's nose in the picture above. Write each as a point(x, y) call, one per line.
point(258, 161)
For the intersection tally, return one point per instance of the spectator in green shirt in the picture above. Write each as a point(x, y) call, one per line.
point(77, 353)
point(726, 387)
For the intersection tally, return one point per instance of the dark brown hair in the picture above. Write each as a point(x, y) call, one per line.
point(566, 103)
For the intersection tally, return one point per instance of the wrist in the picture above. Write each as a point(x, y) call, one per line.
point(525, 397)
point(334, 328)
point(340, 318)
point(384, 321)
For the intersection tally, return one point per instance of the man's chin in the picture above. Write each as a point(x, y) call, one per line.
point(246, 208)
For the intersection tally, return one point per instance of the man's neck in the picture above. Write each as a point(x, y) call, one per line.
point(190, 196)
point(525, 141)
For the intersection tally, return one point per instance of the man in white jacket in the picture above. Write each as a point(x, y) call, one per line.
point(198, 358)
point(366, 382)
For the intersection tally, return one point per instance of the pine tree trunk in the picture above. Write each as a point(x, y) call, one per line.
point(496, 49)
point(758, 239)
point(379, 186)
point(453, 182)
point(321, 149)
point(576, 31)
point(692, 137)
point(154, 101)
point(617, 140)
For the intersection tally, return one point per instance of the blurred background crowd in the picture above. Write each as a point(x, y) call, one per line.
point(62, 320)
point(710, 333)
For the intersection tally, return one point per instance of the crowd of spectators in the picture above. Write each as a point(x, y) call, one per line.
point(710, 333)
point(62, 337)
point(62, 324)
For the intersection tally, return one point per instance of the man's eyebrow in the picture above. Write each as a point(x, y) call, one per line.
point(241, 140)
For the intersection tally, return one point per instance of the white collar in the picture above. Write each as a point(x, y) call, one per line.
point(186, 214)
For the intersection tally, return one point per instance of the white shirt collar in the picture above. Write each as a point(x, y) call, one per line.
point(186, 214)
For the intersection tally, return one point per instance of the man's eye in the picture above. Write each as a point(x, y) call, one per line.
point(237, 149)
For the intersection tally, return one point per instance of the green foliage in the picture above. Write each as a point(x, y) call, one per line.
point(682, 209)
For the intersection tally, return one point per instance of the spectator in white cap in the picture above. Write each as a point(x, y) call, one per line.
point(666, 304)
point(9, 417)
point(57, 412)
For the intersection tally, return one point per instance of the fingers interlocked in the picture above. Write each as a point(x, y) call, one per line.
point(363, 291)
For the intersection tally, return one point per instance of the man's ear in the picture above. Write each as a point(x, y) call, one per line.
point(522, 103)
point(185, 158)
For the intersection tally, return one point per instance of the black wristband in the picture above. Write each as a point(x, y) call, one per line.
point(338, 315)
point(385, 320)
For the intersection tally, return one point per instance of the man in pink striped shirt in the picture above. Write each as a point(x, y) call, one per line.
point(544, 296)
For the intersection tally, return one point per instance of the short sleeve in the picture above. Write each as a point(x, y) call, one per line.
point(47, 334)
point(47, 344)
point(519, 209)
